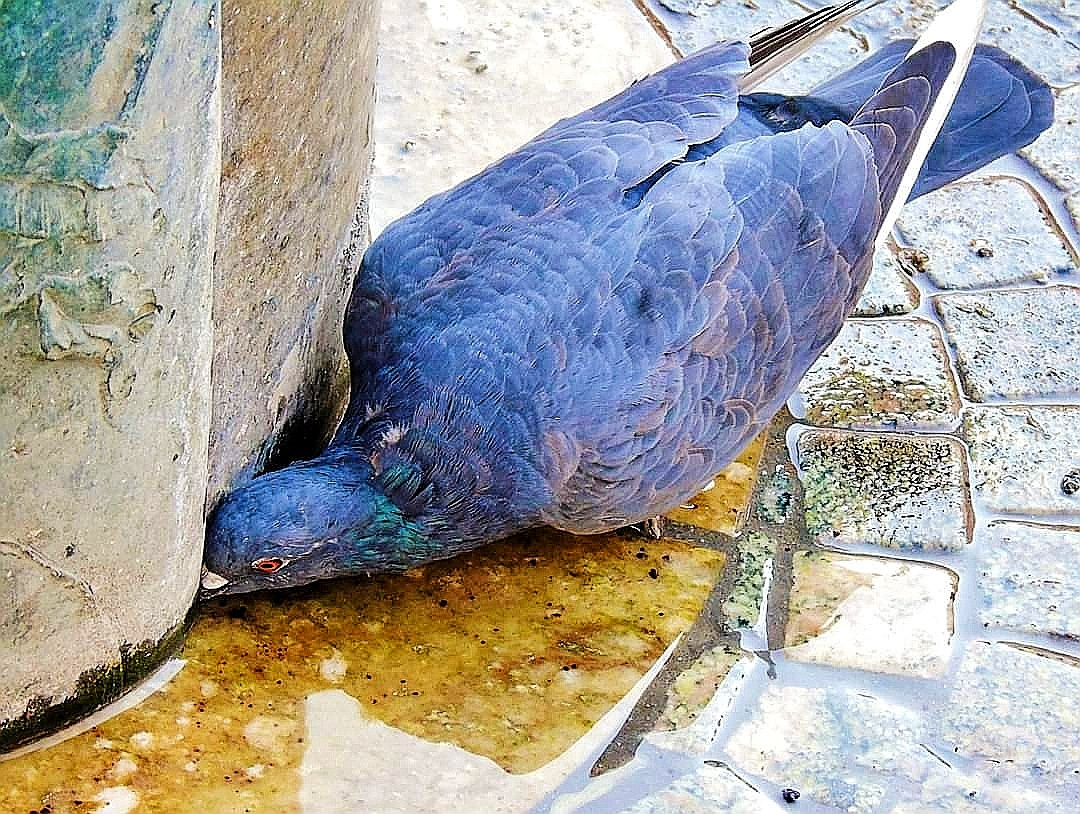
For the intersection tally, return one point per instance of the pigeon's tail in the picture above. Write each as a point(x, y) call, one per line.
point(773, 48)
point(1001, 106)
point(902, 118)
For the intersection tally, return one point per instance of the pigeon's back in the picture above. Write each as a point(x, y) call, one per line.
point(587, 331)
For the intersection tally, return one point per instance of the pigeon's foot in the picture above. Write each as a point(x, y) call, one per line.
point(652, 528)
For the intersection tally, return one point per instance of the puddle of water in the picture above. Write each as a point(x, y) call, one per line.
point(512, 652)
point(819, 589)
point(723, 508)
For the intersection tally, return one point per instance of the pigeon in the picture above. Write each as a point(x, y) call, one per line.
point(585, 332)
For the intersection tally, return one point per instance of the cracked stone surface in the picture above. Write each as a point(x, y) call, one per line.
point(968, 249)
point(1015, 344)
point(1015, 715)
point(889, 291)
point(1056, 153)
point(1027, 577)
point(1021, 456)
point(882, 374)
point(890, 490)
point(871, 613)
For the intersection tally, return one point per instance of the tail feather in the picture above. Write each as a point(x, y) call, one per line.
point(914, 101)
point(1001, 106)
point(894, 117)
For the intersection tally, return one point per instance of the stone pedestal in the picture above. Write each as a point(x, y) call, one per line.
point(161, 209)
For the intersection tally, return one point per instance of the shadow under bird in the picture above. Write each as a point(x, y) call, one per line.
point(583, 334)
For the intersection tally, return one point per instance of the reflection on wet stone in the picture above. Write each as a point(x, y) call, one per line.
point(882, 374)
point(511, 652)
point(870, 614)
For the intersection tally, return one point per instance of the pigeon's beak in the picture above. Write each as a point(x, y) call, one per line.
point(211, 584)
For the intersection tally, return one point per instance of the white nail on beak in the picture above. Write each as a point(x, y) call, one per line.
point(212, 581)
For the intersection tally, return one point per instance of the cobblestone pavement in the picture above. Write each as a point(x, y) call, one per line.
point(929, 656)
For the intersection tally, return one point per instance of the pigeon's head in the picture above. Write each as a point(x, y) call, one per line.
point(312, 520)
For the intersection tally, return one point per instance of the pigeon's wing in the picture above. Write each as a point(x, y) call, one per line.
point(744, 267)
point(588, 165)
point(625, 139)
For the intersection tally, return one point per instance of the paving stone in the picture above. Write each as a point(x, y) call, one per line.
point(890, 490)
point(1015, 344)
point(871, 613)
point(1016, 714)
point(1063, 16)
point(1056, 153)
point(882, 374)
point(1027, 577)
point(1047, 52)
point(832, 744)
point(1021, 456)
point(967, 247)
point(707, 791)
point(855, 750)
point(1052, 56)
point(889, 291)
point(742, 608)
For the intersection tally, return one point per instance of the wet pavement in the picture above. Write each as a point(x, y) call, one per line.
point(893, 626)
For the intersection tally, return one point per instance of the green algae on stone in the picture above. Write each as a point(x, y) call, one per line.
point(696, 686)
point(742, 608)
point(67, 65)
point(512, 652)
point(889, 490)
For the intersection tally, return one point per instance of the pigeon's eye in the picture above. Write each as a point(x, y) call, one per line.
point(268, 565)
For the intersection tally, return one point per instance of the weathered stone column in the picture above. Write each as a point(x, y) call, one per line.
point(122, 128)
point(298, 95)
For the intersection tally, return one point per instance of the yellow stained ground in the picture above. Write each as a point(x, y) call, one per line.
point(511, 652)
point(723, 508)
